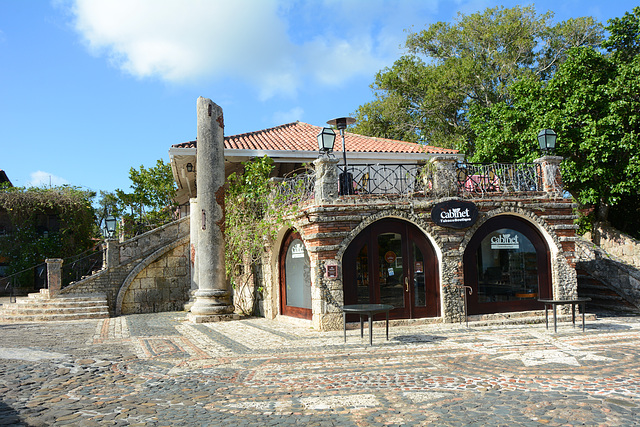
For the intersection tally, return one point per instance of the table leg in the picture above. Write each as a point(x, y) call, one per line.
point(370, 328)
point(555, 320)
point(344, 318)
point(387, 326)
point(582, 307)
point(546, 315)
point(573, 314)
point(361, 327)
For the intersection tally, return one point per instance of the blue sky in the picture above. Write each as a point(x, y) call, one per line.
point(89, 89)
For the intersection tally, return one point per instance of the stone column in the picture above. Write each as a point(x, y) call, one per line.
point(194, 225)
point(326, 187)
point(213, 297)
point(54, 276)
point(445, 180)
point(550, 169)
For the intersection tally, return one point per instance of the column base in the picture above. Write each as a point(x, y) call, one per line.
point(212, 302)
point(209, 318)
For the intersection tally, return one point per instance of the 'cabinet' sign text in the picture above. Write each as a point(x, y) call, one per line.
point(455, 214)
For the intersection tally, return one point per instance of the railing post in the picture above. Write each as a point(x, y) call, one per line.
point(54, 275)
point(445, 180)
point(326, 187)
point(112, 253)
point(551, 178)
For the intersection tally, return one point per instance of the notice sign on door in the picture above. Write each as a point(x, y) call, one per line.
point(419, 268)
point(390, 257)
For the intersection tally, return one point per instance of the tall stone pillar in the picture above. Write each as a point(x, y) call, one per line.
point(194, 224)
point(213, 297)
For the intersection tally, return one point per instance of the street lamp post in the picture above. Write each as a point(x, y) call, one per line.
point(346, 186)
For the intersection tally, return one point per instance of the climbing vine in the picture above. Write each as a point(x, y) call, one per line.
point(40, 223)
point(256, 209)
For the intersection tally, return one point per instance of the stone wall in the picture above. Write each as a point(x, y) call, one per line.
point(149, 273)
point(613, 242)
point(622, 277)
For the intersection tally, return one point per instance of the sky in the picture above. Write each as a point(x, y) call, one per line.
point(91, 88)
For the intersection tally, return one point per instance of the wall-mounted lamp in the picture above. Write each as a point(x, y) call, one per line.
point(189, 167)
point(547, 141)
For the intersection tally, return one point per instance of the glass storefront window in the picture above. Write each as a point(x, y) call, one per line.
point(298, 276)
point(507, 267)
point(391, 270)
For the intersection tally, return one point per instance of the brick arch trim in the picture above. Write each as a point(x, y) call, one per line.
point(141, 266)
point(392, 214)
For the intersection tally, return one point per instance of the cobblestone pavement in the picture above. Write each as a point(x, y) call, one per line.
point(160, 370)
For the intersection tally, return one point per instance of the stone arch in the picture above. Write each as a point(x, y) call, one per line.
point(126, 284)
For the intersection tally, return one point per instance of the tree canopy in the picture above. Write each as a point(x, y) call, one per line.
point(150, 204)
point(426, 95)
point(593, 102)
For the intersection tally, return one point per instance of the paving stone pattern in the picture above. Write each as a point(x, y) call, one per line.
point(159, 370)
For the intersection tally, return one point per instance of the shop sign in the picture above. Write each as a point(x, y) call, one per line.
point(505, 241)
point(332, 271)
point(454, 214)
point(297, 251)
point(390, 257)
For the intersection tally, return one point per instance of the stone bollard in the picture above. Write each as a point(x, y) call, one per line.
point(54, 276)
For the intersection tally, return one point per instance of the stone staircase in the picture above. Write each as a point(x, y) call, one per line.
point(604, 299)
point(42, 307)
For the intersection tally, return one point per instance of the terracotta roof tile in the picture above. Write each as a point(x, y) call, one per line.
point(302, 136)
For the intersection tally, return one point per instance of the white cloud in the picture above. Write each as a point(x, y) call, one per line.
point(44, 179)
point(275, 45)
point(288, 116)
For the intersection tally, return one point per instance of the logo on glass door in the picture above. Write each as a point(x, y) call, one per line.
point(505, 241)
point(297, 251)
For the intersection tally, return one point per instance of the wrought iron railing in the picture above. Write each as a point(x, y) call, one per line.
point(388, 179)
point(84, 264)
point(499, 177)
point(294, 189)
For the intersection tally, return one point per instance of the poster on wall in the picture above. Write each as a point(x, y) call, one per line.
point(454, 214)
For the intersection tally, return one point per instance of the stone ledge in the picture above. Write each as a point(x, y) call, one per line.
point(200, 318)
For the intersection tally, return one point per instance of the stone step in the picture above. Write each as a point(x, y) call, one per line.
point(53, 317)
point(39, 307)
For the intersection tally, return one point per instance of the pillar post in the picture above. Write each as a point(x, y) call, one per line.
point(54, 276)
point(213, 297)
point(112, 253)
point(550, 169)
point(326, 187)
point(445, 180)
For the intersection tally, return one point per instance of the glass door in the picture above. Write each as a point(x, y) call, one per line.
point(391, 262)
point(295, 278)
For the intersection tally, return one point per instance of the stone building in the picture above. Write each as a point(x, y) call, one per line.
point(418, 229)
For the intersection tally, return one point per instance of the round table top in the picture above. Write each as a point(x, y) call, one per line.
point(565, 300)
point(367, 307)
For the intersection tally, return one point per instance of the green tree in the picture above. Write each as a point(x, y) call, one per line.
point(149, 205)
point(593, 103)
point(426, 95)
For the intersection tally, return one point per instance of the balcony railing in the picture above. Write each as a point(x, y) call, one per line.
point(388, 179)
point(499, 177)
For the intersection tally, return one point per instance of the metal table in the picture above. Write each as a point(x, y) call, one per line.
point(581, 301)
point(369, 310)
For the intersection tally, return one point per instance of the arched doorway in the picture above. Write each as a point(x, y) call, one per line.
point(507, 265)
point(295, 277)
point(392, 262)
